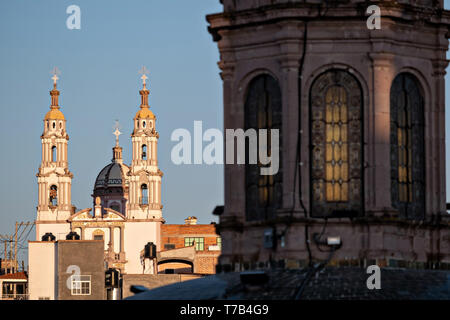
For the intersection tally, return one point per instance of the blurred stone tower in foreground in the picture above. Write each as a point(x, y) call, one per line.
point(361, 115)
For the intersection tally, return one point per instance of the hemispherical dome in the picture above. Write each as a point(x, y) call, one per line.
point(113, 175)
point(144, 113)
point(54, 114)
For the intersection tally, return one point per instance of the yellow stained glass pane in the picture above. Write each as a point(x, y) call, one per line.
point(337, 192)
point(336, 113)
point(404, 193)
point(337, 172)
point(329, 133)
point(328, 113)
point(328, 172)
point(337, 152)
point(401, 176)
point(329, 191)
point(336, 133)
point(336, 94)
point(263, 196)
point(328, 152)
point(329, 96)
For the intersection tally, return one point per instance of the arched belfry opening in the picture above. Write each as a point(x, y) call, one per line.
point(53, 196)
point(54, 154)
point(144, 152)
point(144, 194)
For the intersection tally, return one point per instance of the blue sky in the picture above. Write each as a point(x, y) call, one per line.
point(99, 84)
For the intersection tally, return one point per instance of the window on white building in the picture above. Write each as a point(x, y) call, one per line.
point(80, 285)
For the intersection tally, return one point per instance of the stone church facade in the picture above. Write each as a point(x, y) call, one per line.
point(127, 209)
point(361, 116)
point(117, 232)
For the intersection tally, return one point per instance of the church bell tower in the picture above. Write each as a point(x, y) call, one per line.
point(360, 111)
point(54, 177)
point(145, 176)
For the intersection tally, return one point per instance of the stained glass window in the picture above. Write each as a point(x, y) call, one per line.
point(263, 111)
point(407, 147)
point(336, 143)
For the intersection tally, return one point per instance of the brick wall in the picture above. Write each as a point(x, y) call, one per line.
point(175, 234)
point(205, 260)
point(206, 263)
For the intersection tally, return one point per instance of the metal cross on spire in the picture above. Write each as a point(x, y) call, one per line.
point(55, 72)
point(116, 132)
point(144, 71)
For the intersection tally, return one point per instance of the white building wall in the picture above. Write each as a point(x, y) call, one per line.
point(89, 235)
point(59, 230)
point(116, 240)
point(137, 234)
point(42, 270)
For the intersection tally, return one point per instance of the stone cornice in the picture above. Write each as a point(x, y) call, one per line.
point(439, 67)
point(157, 173)
point(362, 221)
point(66, 173)
point(97, 224)
point(50, 221)
point(147, 220)
point(145, 133)
point(308, 11)
point(55, 135)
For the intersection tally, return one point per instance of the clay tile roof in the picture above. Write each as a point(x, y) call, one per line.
point(16, 276)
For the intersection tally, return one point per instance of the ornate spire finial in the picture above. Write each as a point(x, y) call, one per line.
point(116, 132)
point(144, 92)
point(117, 150)
point(144, 71)
point(55, 72)
point(54, 93)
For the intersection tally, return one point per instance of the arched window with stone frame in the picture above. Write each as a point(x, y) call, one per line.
point(263, 110)
point(407, 147)
point(98, 235)
point(336, 144)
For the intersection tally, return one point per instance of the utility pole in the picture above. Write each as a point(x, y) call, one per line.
point(15, 249)
point(22, 230)
point(11, 255)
